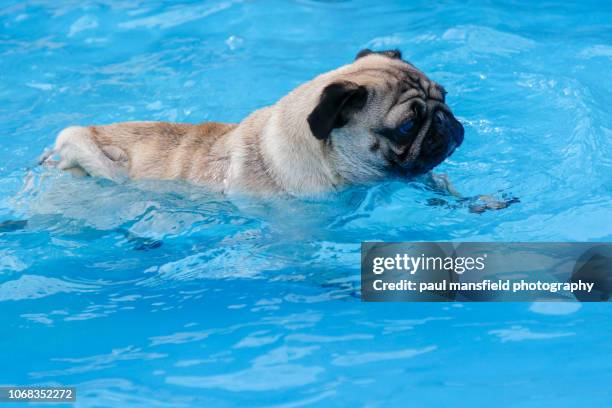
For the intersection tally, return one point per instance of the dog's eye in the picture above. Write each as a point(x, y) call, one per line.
point(406, 127)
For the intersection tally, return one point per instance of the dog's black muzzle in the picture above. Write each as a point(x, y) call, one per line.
point(445, 134)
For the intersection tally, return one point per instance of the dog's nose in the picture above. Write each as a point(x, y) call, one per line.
point(448, 127)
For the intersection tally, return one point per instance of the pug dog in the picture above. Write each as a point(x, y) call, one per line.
point(375, 118)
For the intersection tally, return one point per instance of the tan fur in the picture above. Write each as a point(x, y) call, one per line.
point(159, 150)
point(271, 151)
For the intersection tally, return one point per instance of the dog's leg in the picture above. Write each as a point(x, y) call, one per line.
point(481, 203)
point(477, 204)
point(441, 183)
point(79, 154)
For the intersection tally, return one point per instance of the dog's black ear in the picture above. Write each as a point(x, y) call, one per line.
point(395, 54)
point(338, 100)
point(363, 53)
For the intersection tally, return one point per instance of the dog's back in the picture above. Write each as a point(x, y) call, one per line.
point(139, 150)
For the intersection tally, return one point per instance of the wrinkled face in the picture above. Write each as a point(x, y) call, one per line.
point(381, 116)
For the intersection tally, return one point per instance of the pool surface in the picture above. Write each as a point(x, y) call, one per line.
point(160, 294)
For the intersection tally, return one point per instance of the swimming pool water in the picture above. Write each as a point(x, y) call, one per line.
point(159, 294)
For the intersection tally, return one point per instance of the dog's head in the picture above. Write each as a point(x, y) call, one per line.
point(380, 115)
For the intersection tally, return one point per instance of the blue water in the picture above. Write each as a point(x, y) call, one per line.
point(257, 304)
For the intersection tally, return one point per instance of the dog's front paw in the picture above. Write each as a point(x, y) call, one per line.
point(482, 203)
